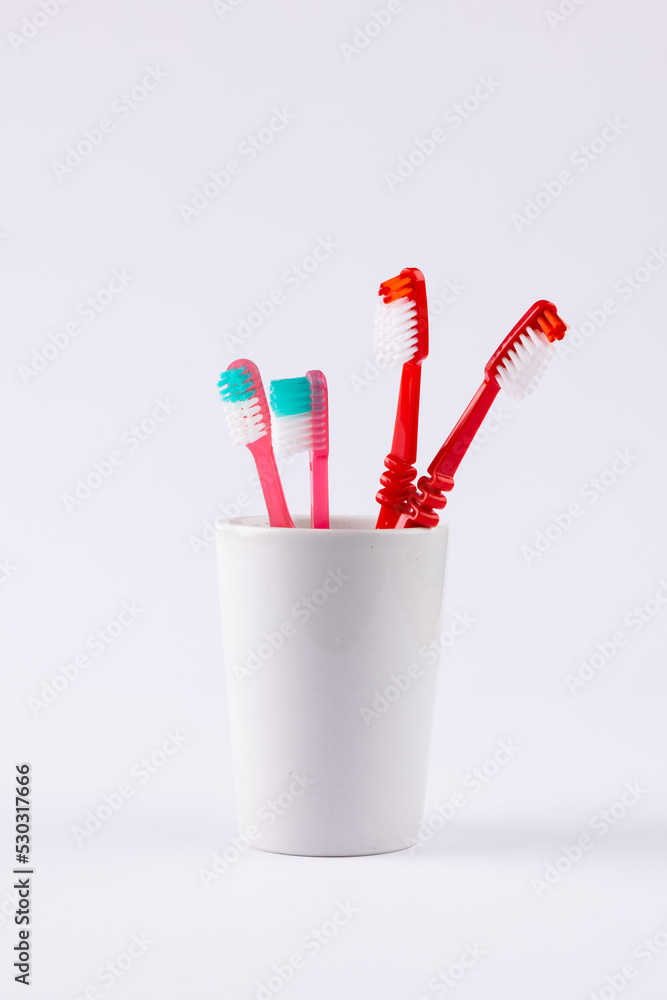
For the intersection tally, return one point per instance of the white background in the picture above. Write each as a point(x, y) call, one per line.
point(68, 568)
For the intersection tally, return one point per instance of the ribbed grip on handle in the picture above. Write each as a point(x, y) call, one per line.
point(398, 489)
point(396, 481)
point(422, 507)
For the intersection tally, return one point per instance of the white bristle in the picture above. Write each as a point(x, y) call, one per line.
point(245, 421)
point(395, 337)
point(524, 364)
point(293, 434)
point(300, 432)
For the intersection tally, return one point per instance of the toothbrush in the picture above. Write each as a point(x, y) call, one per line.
point(248, 419)
point(516, 367)
point(401, 338)
point(300, 422)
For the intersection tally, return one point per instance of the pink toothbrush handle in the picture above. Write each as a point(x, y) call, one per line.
point(319, 490)
point(269, 480)
point(319, 456)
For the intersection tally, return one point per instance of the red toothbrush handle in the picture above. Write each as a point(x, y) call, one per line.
point(397, 484)
point(419, 510)
point(398, 479)
point(404, 443)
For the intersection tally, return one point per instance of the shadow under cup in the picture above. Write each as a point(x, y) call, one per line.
point(330, 702)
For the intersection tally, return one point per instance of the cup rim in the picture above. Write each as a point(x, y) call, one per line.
point(353, 524)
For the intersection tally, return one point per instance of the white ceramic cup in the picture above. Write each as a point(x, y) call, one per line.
point(330, 701)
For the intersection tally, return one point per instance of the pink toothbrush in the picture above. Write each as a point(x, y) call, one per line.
point(300, 414)
point(249, 421)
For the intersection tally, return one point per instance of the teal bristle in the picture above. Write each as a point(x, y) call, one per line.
point(236, 385)
point(290, 396)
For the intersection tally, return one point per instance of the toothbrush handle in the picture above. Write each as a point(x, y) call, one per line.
point(398, 484)
point(319, 490)
point(419, 511)
point(269, 480)
point(404, 443)
point(397, 481)
point(450, 456)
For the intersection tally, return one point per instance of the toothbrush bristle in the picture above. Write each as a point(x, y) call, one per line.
point(520, 361)
point(551, 325)
point(395, 335)
point(522, 366)
point(401, 320)
point(236, 385)
point(243, 408)
point(292, 435)
point(396, 288)
point(298, 416)
point(245, 421)
point(289, 396)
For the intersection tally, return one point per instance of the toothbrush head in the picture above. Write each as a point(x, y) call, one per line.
point(401, 320)
point(242, 392)
point(520, 361)
point(299, 414)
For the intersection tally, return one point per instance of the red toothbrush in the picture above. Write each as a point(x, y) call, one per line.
point(516, 367)
point(401, 338)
